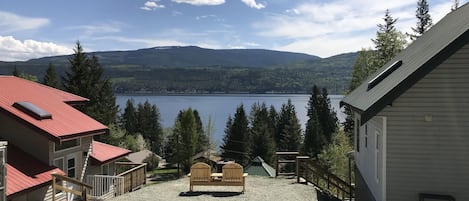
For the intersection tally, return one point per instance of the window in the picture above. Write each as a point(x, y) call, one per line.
point(357, 126)
point(105, 169)
point(366, 136)
point(66, 145)
point(59, 162)
point(377, 152)
point(71, 169)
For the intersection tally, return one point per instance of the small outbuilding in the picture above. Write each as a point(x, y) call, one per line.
point(259, 167)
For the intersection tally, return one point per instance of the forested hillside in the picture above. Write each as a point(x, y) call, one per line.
point(197, 70)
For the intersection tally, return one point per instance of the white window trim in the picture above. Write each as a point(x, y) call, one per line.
point(67, 149)
point(63, 162)
point(378, 148)
point(74, 167)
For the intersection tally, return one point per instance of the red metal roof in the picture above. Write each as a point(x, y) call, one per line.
point(104, 153)
point(66, 123)
point(25, 173)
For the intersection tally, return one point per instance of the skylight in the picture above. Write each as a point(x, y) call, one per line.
point(32, 110)
point(385, 73)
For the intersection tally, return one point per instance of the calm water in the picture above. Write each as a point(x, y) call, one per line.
point(219, 107)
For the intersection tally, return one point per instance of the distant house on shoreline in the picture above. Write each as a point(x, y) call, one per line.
point(412, 119)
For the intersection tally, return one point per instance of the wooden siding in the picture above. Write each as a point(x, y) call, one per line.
point(42, 194)
point(24, 138)
point(428, 134)
point(366, 159)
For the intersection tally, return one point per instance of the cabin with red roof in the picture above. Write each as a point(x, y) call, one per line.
point(45, 135)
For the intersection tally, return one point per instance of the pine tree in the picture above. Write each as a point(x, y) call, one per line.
point(50, 78)
point(289, 128)
point(148, 124)
point(85, 79)
point(203, 141)
point(235, 142)
point(273, 123)
point(455, 5)
point(424, 20)
point(15, 72)
point(322, 122)
point(388, 42)
point(261, 139)
point(184, 139)
point(129, 117)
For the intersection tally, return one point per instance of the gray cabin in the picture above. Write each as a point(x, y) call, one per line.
point(412, 119)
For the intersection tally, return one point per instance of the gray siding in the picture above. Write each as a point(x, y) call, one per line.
point(428, 134)
point(369, 161)
point(25, 138)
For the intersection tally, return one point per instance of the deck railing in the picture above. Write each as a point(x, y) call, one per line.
point(105, 186)
point(285, 160)
point(134, 175)
point(82, 191)
point(312, 172)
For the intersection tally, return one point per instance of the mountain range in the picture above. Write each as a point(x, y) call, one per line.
point(191, 69)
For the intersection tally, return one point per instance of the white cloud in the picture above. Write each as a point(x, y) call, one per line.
point(205, 17)
point(12, 49)
point(11, 23)
point(90, 30)
point(201, 2)
point(253, 4)
point(151, 5)
point(331, 27)
point(145, 42)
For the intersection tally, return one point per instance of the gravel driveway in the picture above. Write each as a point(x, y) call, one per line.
point(257, 188)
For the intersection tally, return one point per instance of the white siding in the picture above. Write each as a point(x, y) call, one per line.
point(368, 159)
point(428, 134)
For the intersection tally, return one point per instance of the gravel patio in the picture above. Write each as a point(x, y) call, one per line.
point(257, 188)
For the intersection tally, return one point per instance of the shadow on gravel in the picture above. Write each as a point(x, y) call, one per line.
point(213, 194)
point(325, 197)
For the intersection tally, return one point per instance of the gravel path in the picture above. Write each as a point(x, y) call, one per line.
point(257, 188)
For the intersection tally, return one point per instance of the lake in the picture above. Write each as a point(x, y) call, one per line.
point(219, 107)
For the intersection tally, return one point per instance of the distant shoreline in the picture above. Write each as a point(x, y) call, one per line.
point(207, 94)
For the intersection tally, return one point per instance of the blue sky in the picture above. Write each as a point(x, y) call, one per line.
point(31, 28)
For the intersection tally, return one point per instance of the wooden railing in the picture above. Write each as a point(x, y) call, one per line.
point(135, 177)
point(310, 171)
point(284, 159)
point(83, 190)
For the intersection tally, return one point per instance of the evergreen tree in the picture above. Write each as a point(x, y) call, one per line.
point(203, 141)
point(273, 121)
point(424, 21)
point(388, 42)
point(455, 5)
point(148, 124)
point(322, 122)
point(85, 79)
point(235, 142)
point(289, 129)
point(261, 139)
point(185, 135)
point(50, 78)
point(15, 72)
point(129, 117)
point(334, 155)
